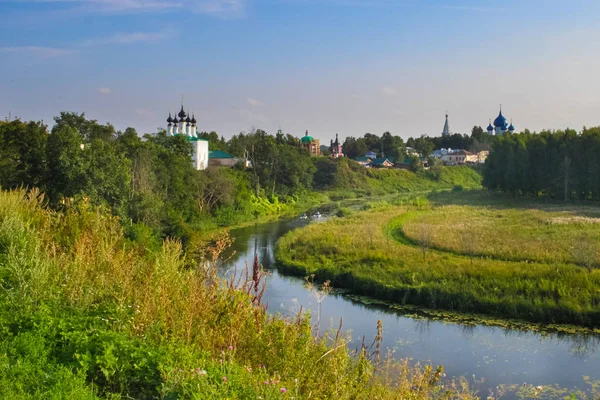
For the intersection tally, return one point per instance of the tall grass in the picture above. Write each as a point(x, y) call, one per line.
point(368, 254)
point(509, 234)
point(86, 313)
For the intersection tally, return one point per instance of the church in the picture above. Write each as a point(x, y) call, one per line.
point(186, 126)
point(500, 125)
point(311, 144)
point(446, 130)
point(336, 148)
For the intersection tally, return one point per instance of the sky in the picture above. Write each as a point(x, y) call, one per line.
point(330, 66)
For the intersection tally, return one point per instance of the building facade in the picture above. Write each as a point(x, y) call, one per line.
point(183, 125)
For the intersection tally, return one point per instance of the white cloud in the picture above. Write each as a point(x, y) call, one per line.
point(104, 90)
point(221, 8)
point(389, 91)
point(129, 38)
point(37, 51)
point(249, 116)
point(254, 102)
point(218, 8)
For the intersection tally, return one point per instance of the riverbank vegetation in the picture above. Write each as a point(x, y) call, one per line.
point(371, 254)
point(87, 313)
point(150, 184)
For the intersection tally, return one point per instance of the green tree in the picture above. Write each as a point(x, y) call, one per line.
point(23, 153)
point(66, 163)
point(424, 146)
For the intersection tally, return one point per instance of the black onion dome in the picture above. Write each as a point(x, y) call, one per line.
point(175, 121)
point(181, 113)
point(188, 119)
point(194, 119)
point(170, 119)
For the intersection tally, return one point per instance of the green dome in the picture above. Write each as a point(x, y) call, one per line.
point(307, 139)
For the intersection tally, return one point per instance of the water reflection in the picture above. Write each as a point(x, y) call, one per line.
point(502, 356)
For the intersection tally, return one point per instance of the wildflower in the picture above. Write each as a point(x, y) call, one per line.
point(220, 361)
point(539, 387)
point(266, 382)
point(201, 372)
point(283, 390)
point(224, 379)
point(230, 347)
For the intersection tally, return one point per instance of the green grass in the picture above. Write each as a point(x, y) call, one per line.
point(369, 254)
point(510, 234)
point(376, 182)
point(86, 313)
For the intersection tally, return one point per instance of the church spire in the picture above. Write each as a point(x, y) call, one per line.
point(446, 131)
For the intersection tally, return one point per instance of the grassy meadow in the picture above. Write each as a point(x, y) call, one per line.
point(86, 313)
point(368, 253)
point(511, 234)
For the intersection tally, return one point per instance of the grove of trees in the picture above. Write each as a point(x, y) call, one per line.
point(149, 180)
point(558, 164)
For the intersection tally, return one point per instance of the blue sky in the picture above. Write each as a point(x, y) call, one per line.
point(345, 66)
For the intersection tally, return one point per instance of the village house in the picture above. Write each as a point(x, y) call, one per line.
point(412, 152)
point(381, 163)
point(221, 158)
point(364, 161)
point(477, 158)
point(455, 158)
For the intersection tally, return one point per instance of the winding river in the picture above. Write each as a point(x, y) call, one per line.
point(487, 356)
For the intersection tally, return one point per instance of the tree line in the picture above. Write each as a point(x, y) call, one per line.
point(559, 164)
point(394, 147)
point(149, 180)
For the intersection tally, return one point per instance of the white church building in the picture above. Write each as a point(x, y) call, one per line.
point(186, 126)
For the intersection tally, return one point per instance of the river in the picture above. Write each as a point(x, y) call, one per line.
point(496, 355)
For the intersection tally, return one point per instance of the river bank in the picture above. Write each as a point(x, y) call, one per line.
point(365, 254)
point(499, 355)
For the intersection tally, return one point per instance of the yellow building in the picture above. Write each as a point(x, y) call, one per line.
point(311, 144)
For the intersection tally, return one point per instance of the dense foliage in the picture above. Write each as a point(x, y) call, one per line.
point(478, 140)
point(371, 254)
point(150, 183)
point(557, 164)
point(86, 313)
